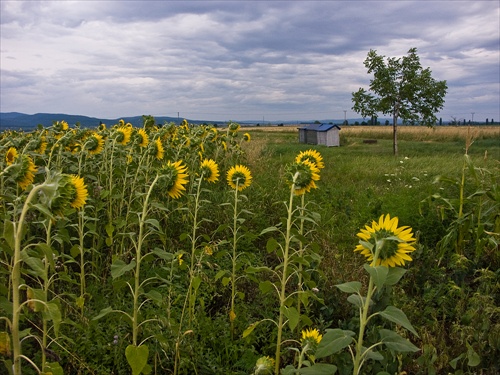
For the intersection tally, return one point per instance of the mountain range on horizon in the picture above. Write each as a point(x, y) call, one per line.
point(27, 122)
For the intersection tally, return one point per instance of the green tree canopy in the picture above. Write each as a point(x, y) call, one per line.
point(400, 88)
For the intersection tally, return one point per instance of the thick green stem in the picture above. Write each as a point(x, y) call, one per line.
point(233, 272)
point(301, 253)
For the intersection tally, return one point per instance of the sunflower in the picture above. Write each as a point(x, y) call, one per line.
point(303, 176)
point(26, 173)
point(311, 155)
point(123, 135)
point(60, 126)
point(174, 177)
point(159, 151)
point(234, 127)
point(80, 192)
point(311, 337)
point(96, 144)
point(264, 366)
point(11, 155)
point(239, 177)
point(41, 145)
point(246, 137)
point(209, 170)
point(391, 244)
point(143, 138)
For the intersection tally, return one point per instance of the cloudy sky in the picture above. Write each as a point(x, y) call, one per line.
point(238, 60)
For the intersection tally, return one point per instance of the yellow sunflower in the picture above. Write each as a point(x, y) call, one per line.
point(264, 366)
point(386, 243)
point(41, 146)
point(239, 177)
point(209, 170)
point(123, 135)
point(234, 127)
point(305, 173)
point(311, 155)
point(143, 138)
point(311, 337)
point(175, 177)
point(96, 144)
point(159, 152)
point(61, 126)
point(246, 137)
point(26, 173)
point(11, 155)
point(80, 192)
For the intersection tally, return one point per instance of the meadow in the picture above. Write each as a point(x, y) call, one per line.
point(199, 250)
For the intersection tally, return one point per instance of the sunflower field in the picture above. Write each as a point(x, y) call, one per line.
point(192, 249)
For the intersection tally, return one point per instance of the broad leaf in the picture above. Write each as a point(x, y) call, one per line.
point(137, 357)
point(395, 342)
point(333, 341)
point(103, 313)
point(319, 369)
point(394, 275)
point(397, 316)
point(293, 316)
point(350, 287)
point(119, 267)
point(378, 274)
point(250, 328)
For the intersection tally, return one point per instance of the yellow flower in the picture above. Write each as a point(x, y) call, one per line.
point(305, 174)
point(179, 259)
point(311, 155)
point(143, 138)
point(80, 192)
point(224, 145)
point(174, 177)
point(123, 135)
point(26, 173)
point(209, 170)
point(160, 152)
point(121, 122)
point(234, 127)
point(392, 244)
point(41, 146)
point(239, 177)
point(246, 137)
point(11, 155)
point(208, 250)
point(96, 144)
point(61, 126)
point(311, 337)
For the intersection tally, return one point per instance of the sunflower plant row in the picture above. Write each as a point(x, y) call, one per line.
point(158, 217)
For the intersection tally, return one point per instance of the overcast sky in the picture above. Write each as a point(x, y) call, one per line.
point(238, 60)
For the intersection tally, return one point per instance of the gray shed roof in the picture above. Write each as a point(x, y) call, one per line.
point(320, 127)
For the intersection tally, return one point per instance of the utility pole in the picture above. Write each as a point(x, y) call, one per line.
point(472, 113)
point(345, 117)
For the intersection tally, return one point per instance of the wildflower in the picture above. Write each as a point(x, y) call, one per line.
point(391, 243)
point(11, 155)
point(311, 155)
point(96, 144)
point(26, 173)
point(143, 138)
point(175, 177)
point(208, 250)
point(311, 336)
point(264, 366)
point(209, 170)
point(303, 176)
point(246, 137)
point(239, 177)
point(179, 259)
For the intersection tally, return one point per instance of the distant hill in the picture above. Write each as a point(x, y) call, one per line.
point(22, 121)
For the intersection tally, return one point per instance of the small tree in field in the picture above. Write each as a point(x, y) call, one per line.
point(401, 88)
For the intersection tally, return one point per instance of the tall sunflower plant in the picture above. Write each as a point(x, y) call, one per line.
point(387, 247)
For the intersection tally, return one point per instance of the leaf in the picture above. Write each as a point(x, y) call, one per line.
point(35, 264)
point(319, 369)
point(473, 359)
point(350, 287)
point(155, 296)
point(196, 282)
point(53, 313)
point(162, 254)
point(394, 275)
point(8, 233)
point(357, 300)
point(397, 316)
point(48, 252)
point(267, 230)
point(155, 223)
point(109, 229)
point(119, 267)
point(53, 368)
point(266, 286)
point(103, 313)
point(271, 245)
point(293, 316)
point(137, 357)
point(333, 341)
point(378, 274)
point(220, 274)
point(395, 342)
point(250, 329)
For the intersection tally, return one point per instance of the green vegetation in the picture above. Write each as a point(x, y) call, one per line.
point(126, 250)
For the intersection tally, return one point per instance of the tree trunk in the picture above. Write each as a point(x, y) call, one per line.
point(395, 135)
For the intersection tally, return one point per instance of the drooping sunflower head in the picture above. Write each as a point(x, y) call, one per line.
point(60, 126)
point(95, 144)
point(302, 176)
point(239, 177)
point(209, 170)
point(26, 172)
point(157, 149)
point(41, 145)
point(142, 138)
point(246, 137)
point(311, 155)
point(386, 243)
point(79, 192)
point(311, 337)
point(264, 366)
point(11, 155)
point(173, 178)
point(123, 134)
point(234, 127)
point(71, 192)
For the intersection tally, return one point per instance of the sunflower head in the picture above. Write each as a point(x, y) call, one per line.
point(173, 178)
point(123, 134)
point(60, 126)
point(239, 177)
point(311, 337)
point(264, 366)
point(233, 127)
point(384, 243)
point(71, 192)
point(302, 176)
point(95, 144)
point(157, 149)
point(11, 155)
point(246, 137)
point(24, 171)
point(142, 138)
point(41, 145)
point(313, 156)
point(209, 170)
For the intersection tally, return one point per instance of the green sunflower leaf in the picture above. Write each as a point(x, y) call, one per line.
point(397, 316)
point(395, 342)
point(350, 287)
point(293, 316)
point(119, 267)
point(137, 357)
point(378, 274)
point(319, 369)
point(395, 274)
point(333, 341)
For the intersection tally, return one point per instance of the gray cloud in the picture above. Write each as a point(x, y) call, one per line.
point(237, 60)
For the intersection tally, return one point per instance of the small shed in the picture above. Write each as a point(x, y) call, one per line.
point(320, 134)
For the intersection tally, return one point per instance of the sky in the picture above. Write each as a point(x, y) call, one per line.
point(238, 60)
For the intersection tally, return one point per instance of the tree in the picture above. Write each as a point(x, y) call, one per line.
point(401, 88)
